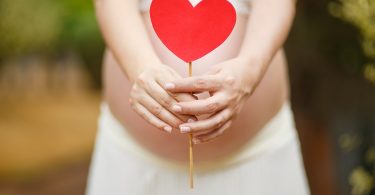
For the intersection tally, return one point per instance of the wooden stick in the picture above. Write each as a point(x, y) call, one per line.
point(191, 162)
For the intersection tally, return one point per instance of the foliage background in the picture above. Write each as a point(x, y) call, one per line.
point(50, 66)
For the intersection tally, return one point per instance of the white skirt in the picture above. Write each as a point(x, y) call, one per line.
point(270, 164)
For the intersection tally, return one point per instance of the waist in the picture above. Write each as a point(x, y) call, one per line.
point(277, 132)
point(264, 103)
point(261, 106)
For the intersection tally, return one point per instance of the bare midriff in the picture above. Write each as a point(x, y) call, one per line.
point(259, 109)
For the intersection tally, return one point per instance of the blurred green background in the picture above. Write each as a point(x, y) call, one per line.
point(50, 67)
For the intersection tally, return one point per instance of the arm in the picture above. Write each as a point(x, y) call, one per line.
point(268, 25)
point(126, 36)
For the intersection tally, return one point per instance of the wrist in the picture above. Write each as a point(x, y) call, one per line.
point(251, 68)
point(139, 66)
point(258, 58)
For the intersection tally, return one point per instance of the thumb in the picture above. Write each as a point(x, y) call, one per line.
point(213, 70)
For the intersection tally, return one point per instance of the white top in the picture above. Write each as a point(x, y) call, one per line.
point(241, 6)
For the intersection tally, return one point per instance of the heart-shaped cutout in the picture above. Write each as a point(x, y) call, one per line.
point(191, 32)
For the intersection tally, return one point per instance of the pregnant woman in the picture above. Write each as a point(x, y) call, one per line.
point(236, 105)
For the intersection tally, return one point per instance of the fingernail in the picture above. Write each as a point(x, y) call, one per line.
point(168, 129)
point(196, 141)
point(190, 120)
point(184, 129)
point(169, 86)
point(176, 108)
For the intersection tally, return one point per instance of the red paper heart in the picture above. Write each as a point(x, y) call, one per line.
point(192, 32)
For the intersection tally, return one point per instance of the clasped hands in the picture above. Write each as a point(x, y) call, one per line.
point(166, 100)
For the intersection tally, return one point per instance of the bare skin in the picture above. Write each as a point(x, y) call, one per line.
point(138, 70)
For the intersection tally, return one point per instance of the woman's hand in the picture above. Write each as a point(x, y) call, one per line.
point(229, 83)
point(149, 99)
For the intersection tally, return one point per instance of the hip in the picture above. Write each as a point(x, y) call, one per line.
point(264, 103)
point(121, 166)
point(279, 131)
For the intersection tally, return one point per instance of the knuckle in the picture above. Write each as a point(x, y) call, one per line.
point(176, 123)
point(220, 122)
point(166, 101)
point(200, 83)
point(157, 110)
point(213, 106)
point(135, 91)
point(134, 96)
point(142, 79)
point(142, 114)
point(220, 132)
point(134, 88)
point(224, 128)
point(227, 125)
point(175, 95)
point(131, 101)
point(133, 108)
point(155, 123)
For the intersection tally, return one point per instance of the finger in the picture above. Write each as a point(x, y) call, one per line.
point(169, 100)
point(145, 114)
point(180, 97)
point(161, 96)
point(159, 111)
point(209, 105)
point(214, 122)
point(204, 138)
point(195, 84)
point(184, 97)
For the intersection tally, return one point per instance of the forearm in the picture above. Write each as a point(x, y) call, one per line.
point(125, 34)
point(268, 26)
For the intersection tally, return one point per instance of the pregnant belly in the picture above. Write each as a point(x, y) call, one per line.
point(257, 111)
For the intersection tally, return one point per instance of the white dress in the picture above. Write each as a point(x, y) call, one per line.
point(267, 165)
point(271, 163)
